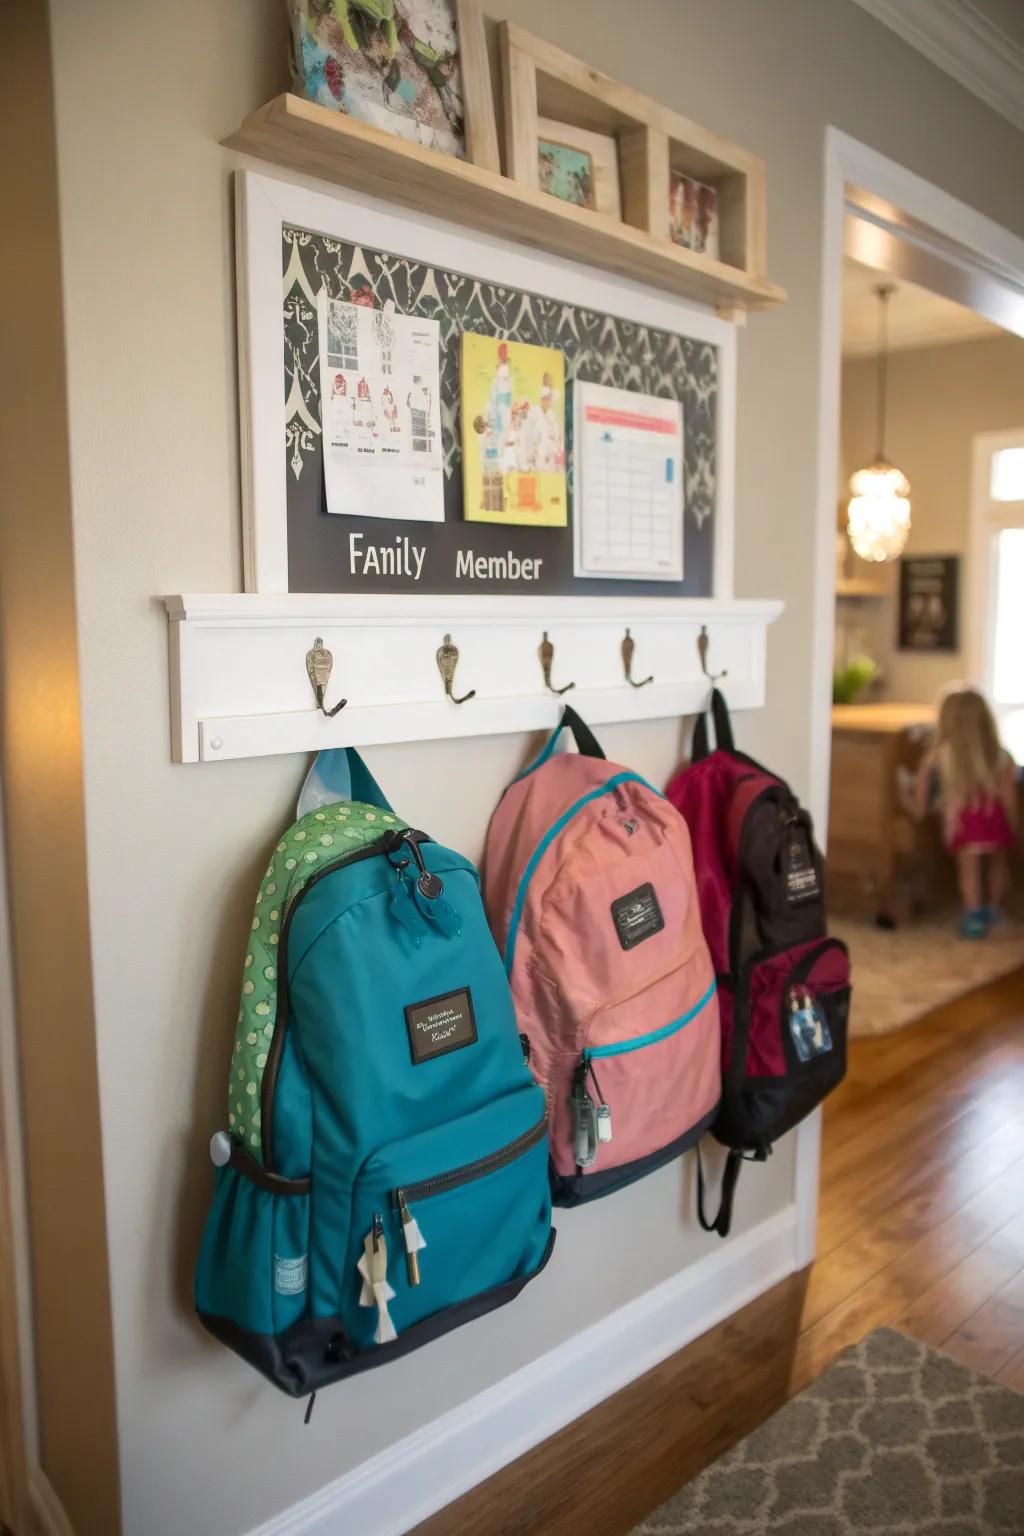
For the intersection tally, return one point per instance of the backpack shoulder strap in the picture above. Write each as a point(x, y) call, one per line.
point(723, 1220)
point(723, 729)
point(586, 742)
point(339, 773)
point(730, 1177)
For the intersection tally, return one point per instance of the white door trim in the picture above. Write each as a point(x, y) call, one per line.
point(849, 163)
point(987, 518)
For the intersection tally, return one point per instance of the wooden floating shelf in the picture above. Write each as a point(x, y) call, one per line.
point(301, 136)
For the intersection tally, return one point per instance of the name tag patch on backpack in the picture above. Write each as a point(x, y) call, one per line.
point(801, 875)
point(440, 1024)
point(637, 916)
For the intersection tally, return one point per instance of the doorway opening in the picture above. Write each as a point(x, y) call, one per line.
point(932, 388)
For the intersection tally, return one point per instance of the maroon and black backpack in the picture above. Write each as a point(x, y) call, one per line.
point(783, 984)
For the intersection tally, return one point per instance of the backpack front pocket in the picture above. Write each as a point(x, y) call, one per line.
point(446, 1215)
point(788, 1047)
point(647, 1074)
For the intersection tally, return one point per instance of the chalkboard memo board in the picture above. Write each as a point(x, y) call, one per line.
point(292, 242)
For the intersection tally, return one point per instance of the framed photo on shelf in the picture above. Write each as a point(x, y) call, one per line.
point(693, 214)
point(578, 166)
point(422, 75)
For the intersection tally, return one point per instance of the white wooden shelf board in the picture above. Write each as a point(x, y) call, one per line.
point(239, 686)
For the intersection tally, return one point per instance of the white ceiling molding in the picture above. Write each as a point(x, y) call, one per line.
point(958, 37)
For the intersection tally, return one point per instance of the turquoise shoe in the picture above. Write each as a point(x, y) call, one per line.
point(974, 925)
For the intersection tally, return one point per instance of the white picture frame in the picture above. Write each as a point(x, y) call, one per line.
point(265, 203)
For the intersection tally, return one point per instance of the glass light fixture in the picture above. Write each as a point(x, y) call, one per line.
point(878, 516)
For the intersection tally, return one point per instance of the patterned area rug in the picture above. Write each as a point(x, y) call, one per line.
point(893, 1440)
point(901, 974)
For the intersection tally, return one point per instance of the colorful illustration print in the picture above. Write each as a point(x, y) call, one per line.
point(513, 433)
point(566, 173)
point(319, 838)
point(392, 63)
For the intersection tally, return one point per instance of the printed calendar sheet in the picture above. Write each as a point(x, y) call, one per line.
point(628, 502)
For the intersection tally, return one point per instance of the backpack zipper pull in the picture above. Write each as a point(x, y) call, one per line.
point(604, 1113)
point(373, 1267)
point(428, 884)
point(414, 1239)
point(584, 1119)
point(404, 907)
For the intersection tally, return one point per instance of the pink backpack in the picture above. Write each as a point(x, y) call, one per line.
point(590, 892)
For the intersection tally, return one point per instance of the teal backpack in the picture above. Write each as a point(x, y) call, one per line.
point(383, 1177)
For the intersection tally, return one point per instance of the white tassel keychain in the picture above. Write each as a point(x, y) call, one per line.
point(415, 1242)
point(373, 1266)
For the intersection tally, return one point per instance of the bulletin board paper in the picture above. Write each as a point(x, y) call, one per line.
point(629, 484)
point(380, 391)
point(513, 433)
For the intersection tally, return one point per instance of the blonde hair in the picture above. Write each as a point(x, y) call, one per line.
point(968, 753)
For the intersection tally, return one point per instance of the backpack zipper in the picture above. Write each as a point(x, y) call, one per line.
point(388, 840)
point(441, 1183)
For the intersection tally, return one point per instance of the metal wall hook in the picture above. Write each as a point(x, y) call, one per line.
point(546, 652)
point(319, 663)
point(447, 661)
point(703, 641)
point(628, 648)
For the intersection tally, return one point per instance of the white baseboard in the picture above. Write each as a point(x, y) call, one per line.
point(411, 1480)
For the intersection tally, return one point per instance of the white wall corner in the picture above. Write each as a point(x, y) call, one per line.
point(411, 1480)
point(968, 45)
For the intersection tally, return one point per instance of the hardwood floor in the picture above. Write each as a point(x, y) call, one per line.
point(921, 1227)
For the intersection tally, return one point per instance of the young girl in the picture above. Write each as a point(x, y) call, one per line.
point(974, 782)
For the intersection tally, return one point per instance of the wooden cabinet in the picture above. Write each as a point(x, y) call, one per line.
point(880, 862)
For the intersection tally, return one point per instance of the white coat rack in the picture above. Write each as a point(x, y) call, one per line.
point(241, 685)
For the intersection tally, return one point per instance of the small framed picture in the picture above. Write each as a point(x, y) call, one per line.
point(579, 166)
point(693, 214)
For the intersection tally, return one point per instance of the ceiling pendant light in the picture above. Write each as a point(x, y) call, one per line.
point(878, 517)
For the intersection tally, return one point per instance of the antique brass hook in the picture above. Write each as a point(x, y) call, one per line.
point(447, 661)
point(703, 641)
point(319, 663)
point(546, 652)
point(628, 648)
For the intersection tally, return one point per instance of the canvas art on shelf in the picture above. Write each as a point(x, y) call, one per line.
point(513, 433)
point(392, 63)
point(693, 214)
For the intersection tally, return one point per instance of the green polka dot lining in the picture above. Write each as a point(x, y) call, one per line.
point(321, 837)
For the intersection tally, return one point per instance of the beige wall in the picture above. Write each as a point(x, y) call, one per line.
point(145, 95)
point(939, 398)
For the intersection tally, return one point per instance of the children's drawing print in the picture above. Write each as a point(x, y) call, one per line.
point(513, 433)
point(392, 63)
point(382, 426)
